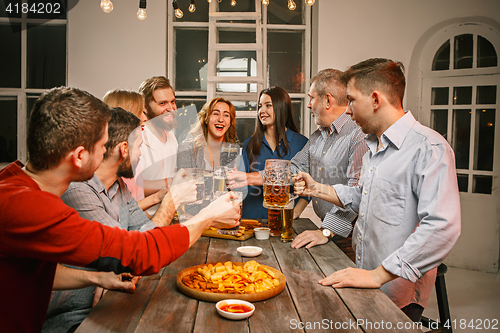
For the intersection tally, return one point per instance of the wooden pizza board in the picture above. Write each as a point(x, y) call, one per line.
point(212, 233)
point(215, 297)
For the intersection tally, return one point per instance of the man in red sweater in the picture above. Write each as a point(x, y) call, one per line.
point(66, 137)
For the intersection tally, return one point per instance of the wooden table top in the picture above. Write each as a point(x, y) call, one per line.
point(303, 306)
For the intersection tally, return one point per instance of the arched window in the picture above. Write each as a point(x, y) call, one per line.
point(461, 97)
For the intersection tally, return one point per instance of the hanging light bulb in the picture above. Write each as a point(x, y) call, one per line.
point(178, 13)
point(265, 2)
point(292, 5)
point(209, 1)
point(310, 2)
point(233, 3)
point(106, 6)
point(141, 14)
point(192, 7)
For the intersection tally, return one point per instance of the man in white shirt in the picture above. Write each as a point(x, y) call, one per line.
point(159, 146)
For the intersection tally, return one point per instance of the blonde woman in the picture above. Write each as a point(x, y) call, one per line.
point(134, 102)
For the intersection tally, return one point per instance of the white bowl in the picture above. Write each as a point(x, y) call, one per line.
point(234, 315)
point(262, 233)
point(249, 251)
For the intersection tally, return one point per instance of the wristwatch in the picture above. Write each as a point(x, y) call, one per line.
point(327, 233)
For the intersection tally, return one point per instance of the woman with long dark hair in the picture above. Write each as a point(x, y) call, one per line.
point(276, 137)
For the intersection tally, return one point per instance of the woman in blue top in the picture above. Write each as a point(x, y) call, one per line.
point(276, 137)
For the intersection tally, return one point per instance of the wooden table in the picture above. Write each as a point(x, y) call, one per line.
point(303, 306)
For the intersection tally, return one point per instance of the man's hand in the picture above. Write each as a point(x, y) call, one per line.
point(304, 185)
point(224, 212)
point(358, 278)
point(183, 189)
point(309, 238)
point(236, 179)
point(123, 281)
point(109, 280)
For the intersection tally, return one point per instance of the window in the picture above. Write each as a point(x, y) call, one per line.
point(235, 52)
point(461, 90)
point(33, 59)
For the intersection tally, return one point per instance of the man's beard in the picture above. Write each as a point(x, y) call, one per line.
point(125, 169)
point(161, 122)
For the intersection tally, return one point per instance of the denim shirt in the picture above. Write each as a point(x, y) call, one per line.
point(408, 204)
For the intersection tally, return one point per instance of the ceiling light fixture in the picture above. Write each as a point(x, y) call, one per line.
point(192, 7)
point(106, 6)
point(141, 14)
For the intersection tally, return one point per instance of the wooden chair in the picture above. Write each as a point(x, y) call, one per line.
point(443, 307)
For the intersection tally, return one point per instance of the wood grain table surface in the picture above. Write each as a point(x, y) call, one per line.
point(303, 306)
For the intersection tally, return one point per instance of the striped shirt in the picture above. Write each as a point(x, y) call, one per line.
point(333, 156)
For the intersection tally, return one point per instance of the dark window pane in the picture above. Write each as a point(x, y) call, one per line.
point(226, 36)
point(463, 183)
point(278, 13)
point(10, 57)
point(10, 11)
point(46, 56)
point(245, 128)
point(463, 51)
point(485, 139)
point(440, 122)
point(191, 59)
point(486, 95)
point(482, 184)
point(297, 113)
point(486, 54)
point(441, 59)
point(439, 96)
point(461, 137)
point(31, 99)
point(199, 15)
point(240, 6)
point(285, 60)
point(245, 105)
point(186, 117)
point(462, 95)
point(8, 129)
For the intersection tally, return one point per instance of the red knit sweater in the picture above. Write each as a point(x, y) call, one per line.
point(37, 230)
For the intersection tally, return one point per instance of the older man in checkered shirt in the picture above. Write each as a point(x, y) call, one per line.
point(333, 155)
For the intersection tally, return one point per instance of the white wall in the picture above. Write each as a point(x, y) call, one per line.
point(115, 50)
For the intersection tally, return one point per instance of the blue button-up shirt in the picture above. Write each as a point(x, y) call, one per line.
point(252, 204)
point(408, 205)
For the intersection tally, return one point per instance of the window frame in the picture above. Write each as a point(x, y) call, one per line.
point(260, 12)
point(463, 77)
point(23, 92)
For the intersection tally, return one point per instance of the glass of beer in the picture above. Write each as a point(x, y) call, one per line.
point(274, 222)
point(277, 177)
point(287, 222)
point(199, 180)
point(228, 153)
point(208, 177)
point(220, 178)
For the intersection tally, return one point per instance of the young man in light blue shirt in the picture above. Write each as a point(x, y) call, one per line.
point(407, 198)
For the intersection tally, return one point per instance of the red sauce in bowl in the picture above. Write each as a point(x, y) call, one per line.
point(235, 308)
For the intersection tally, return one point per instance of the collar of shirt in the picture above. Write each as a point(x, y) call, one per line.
point(336, 126)
point(395, 134)
point(97, 184)
point(289, 138)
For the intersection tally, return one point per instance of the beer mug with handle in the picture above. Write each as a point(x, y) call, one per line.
point(277, 179)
